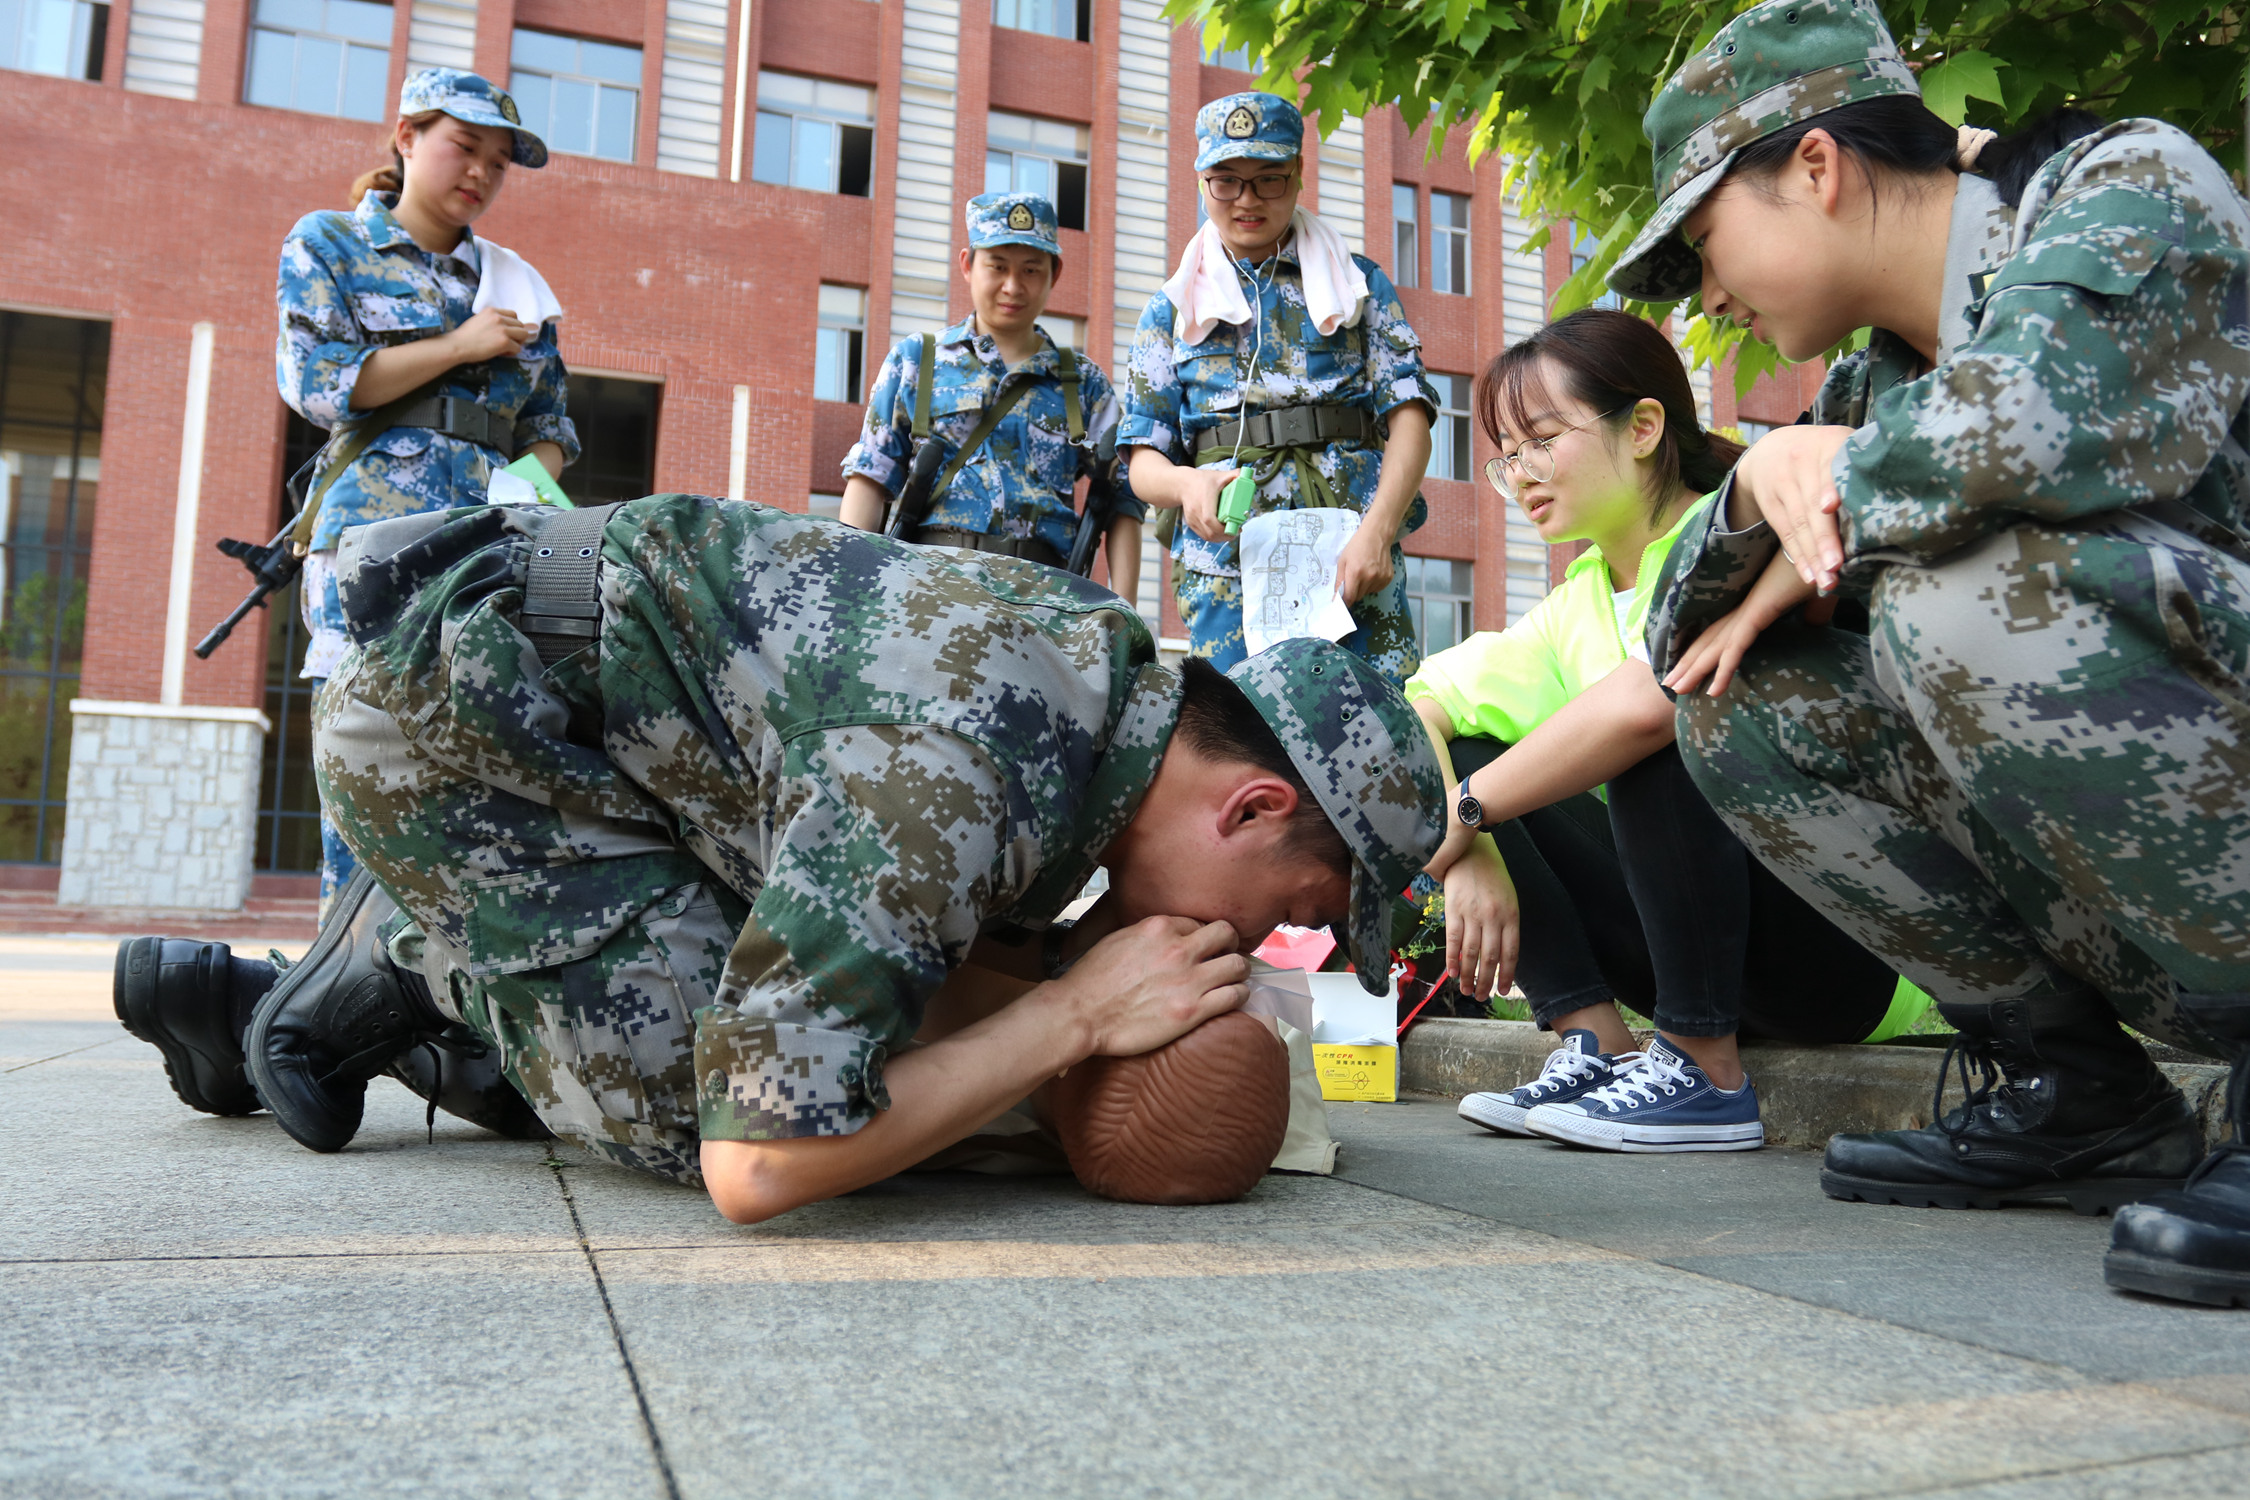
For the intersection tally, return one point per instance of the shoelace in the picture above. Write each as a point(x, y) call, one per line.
point(1990, 1090)
point(1650, 1076)
point(1565, 1065)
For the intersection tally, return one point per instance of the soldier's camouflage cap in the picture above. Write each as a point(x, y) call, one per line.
point(1012, 219)
point(1767, 69)
point(473, 100)
point(1265, 127)
point(1362, 749)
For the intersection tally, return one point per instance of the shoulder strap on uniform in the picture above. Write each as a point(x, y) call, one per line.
point(922, 387)
point(562, 597)
point(1071, 413)
point(977, 435)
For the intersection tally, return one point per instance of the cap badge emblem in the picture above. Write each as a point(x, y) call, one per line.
point(1242, 123)
point(507, 108)
point(1019, 218)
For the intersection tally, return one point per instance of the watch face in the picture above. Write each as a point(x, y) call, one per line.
point(1471, 811)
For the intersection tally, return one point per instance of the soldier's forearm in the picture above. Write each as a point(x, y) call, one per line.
point(939, 1094)
point(388, 374)
point(864, 503)
point(1156, 479)
point(1124, 552)
point(1406, 458)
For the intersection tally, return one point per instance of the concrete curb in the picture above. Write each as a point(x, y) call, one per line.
point(1807, 1094)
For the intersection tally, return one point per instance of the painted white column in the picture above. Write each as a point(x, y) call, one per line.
point(185, 510)
point(1523, 310)
point(738, 446)
point(742, 82)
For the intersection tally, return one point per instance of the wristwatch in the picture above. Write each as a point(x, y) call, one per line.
point(1469, 810)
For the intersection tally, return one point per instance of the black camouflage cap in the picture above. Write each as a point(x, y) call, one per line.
point(1363, 751)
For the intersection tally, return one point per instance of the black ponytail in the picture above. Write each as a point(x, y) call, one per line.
point(1897, 135)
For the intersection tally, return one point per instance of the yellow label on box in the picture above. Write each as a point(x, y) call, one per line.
point(1366, 1074)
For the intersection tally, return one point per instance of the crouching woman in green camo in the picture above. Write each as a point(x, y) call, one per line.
point(2027, 784)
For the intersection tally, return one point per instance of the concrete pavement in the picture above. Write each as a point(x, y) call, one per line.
point(198, 1307)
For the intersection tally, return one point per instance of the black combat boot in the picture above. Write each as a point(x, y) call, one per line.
point(337, 1018)
point(2194, 1245)
point(464, 1079)
point(2067, 1107)
point(191, 1000)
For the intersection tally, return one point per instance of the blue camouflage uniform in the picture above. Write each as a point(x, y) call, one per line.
point(1175, 391)
point(353, 283)
point(1020, 482)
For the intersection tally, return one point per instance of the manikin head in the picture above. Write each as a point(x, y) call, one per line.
point(1596, 428)
point(1297, 788)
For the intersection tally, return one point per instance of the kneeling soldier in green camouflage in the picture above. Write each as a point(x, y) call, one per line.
point(740, 837)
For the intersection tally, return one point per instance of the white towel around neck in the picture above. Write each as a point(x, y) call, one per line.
point(506, 279)
point(1205, 290)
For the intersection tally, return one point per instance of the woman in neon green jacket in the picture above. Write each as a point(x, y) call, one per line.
point(1648, 898)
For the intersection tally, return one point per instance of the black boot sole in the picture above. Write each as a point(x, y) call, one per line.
point(2131, 1272)
point(133, 995)
point(2085, 1195)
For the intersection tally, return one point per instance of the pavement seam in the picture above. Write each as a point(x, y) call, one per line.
point(2055, 1473)
point(2086, 1376)
point(616, 1331)
point(58, 1057)
point(157, 1260)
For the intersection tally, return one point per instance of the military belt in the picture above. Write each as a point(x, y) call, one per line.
point(459, 417)
point(1292, 427)
point(1030, 548)
point(562, 596)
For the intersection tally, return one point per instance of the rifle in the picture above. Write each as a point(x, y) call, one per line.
point(1101, 506)
point(273, 567)
point(913, 501)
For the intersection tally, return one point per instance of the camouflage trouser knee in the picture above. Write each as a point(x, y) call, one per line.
point(2033, 776)
point(1211, 609)
point(601, 1042)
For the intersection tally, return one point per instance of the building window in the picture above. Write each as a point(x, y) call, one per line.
point(1242, 58)
point(1069, 19)
point(1068, 333)
point(1449, 439)
point(53, 372)
point(616, 422)
point(1753, 430)
point(325, 57)
point(1406, 244)
point(1582, 248)
point(63, 38)
point(840, 347)
point(1441, 597)
point(1047, 157)
point(815, 134)
point(1449, 243)
point(580, 97)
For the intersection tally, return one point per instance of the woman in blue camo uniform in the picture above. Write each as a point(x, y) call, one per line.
point(1175, 391)
point(375, 305)
point(2018, 767)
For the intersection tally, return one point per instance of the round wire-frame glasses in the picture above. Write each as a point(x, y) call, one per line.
point(1535, 460)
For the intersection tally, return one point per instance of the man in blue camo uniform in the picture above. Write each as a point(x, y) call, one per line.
point(1016, 493)
point(698, 870)
point(2028, 784)
point(353, 283)
point(1178, 394)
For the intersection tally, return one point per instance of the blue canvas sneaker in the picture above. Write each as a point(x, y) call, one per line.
point(1664, 1104)
point(1576, 1068)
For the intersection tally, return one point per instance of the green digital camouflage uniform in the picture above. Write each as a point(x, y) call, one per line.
point(2033, 775)
point(700, 882)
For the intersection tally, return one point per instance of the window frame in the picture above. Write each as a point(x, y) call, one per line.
point(1078, 14)
point(86, 38)
point(1073, 176)
point(1419, 598)
point(832, 321)
point(1451, 433)
point(1406, 235)
point(853, 160)
point(347, 44)
point(601, 84)
point(1445, 238)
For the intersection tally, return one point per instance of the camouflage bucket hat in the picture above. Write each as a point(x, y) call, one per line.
point(1767, 69)
point(1262, 127)
point(1362, 750)
point(472, 100)
point(1012, 219)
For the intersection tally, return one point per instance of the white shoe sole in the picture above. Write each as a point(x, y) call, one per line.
point(1494, 1112)
point(1580, 1129)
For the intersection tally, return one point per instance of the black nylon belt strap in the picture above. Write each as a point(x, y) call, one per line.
point(1293, 427)
point(459, 417)
point(562, 597)
point(1028, 547)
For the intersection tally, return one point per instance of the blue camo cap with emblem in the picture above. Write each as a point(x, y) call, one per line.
point(1264, 127)
point(1012, 219)
point(473, 100)
point(1362, 749)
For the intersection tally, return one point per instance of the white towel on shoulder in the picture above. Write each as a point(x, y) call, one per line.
point(1205, 290)
point(506, 279)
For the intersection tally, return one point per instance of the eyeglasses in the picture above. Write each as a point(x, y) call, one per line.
point(1267, 185)
point(1535, 461)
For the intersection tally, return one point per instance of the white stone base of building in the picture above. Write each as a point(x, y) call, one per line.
point(163, 805)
